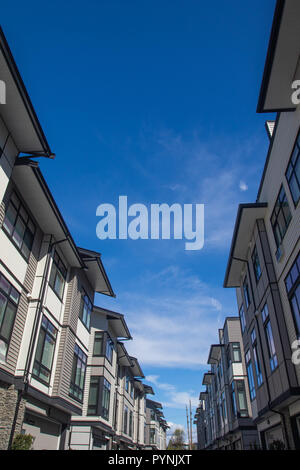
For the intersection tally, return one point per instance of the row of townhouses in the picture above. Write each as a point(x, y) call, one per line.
point(66, 377)
point(252, 395)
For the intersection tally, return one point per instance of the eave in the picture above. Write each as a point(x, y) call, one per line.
point(95, 272)
point(207, 378)
point(116, 321)
point(282, 62)
point(136, 368)
point(214, 354)
point(244, 225)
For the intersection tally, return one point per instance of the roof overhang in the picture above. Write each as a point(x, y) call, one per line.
point(214, 354)
point(139, 385)
point(123, 356)
point(282, 64)
point(18, 113)
point(153, 404)
point(244, 225)
point(203, 395)
point(207, 378)
point(136, 368)
point(148, 389)
point(95, 272)
point(39, 199)
point(116, 322)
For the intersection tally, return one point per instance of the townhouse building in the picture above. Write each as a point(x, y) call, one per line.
point(264, 260)
point(65, 375)
point(156, 426)
point(224, 415)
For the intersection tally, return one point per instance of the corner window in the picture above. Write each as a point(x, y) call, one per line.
point(45, 351)
point(58, 275)
point(246, 293)
point(269, 338)
point(98, 343)
point(9, 299)
point(18, 226)
point(242, 318)
point(109, 348)
point(241, 393)
point(105, 399)
point(292, 284)
point(93, 396)
point(78, 374)
point(85, 310)
point(293, 172)
point(256, 265)
point(281, 217)
point(256, 358)
point(250, 375)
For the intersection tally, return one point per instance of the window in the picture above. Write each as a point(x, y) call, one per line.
point(125, 419)
point(98, 343)
point(250, 375)
point(242, 318)
point(246, 293)
point(293, 172)
point(127, 383)
point(152, 415)
point(256, 359)
point(9, 299)
point(109, 348)
point(105, 399)
point(236, 352)
point(281, 217)
point(130, 423)
point(93, 396)
point(85, 310)
point(152, 436)
point(292, 284)
point(58, 275)
point(223, 401)
point(233, 400)
point(269, 338)
point(45, 351)
point(131, 390)
point(18, 226)
point(256, 264)
point(78, 374)
point(241, 393)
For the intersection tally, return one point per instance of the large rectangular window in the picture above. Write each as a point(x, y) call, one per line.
point(58, 275)
point(236, 352)
point(130, 423)
point(256, 358)
point(45, 351)
point(98, 343)
point(152, 436)
point(293, 172)
point(109, 348)
point(241, 393)
point(125, 420)
point(269, 338)
point(250, 375)
point(292, 284)
point(281, 217)
point(18, 226)
point(246, 293)
point(9, 299)
point(105, 399)
point(78, 374)
point(93, 396)
point(256, 264)
point(85, 310)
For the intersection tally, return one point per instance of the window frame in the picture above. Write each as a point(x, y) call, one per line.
point(21, 208)
point(243, 319)
point(104, 387)
point(292, 286)
point(96, 381)
point(15, 304)
point(280, 211)
point(76, 358)
point(293, 166)
point(64, 276)
point(257, 364)
point(85, 301)
point(267, 323)
point(250, 375)
point(40, 364)
point(255, 264)
point(246, 293)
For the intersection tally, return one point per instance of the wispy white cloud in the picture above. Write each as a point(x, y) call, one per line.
point(243, 186)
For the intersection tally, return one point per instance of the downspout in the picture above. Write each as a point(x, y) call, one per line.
point(23, 392)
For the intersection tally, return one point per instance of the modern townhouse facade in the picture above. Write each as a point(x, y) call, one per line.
point(156, 426)
point(65, 374)
point(224, 415)
point(264, 259)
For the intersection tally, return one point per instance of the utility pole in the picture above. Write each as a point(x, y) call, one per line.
point(188, 427)
point(191, 427)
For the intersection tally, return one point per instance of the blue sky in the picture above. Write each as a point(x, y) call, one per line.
point(155, 100)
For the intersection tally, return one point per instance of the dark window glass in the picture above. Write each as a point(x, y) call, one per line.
point(18, 226)
point(269, 338)
point(98, 343)
point(233, 400)
point(93, 396)
point(242, 318)
point(109, 348)
point(246, 293)
point(256, 264)
point(9, 299)
point(236, 352)
point(45, 351)
point(241, 393)
point(256, 358)
point(85, 310)
point(130, 423)
point(293, 172)
point(292, 283)
point(58, 275)
point(105, 399)
point(250, 375)
point(125, 419)
point(152, 436)
point(281, 217)
point(78, 374)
